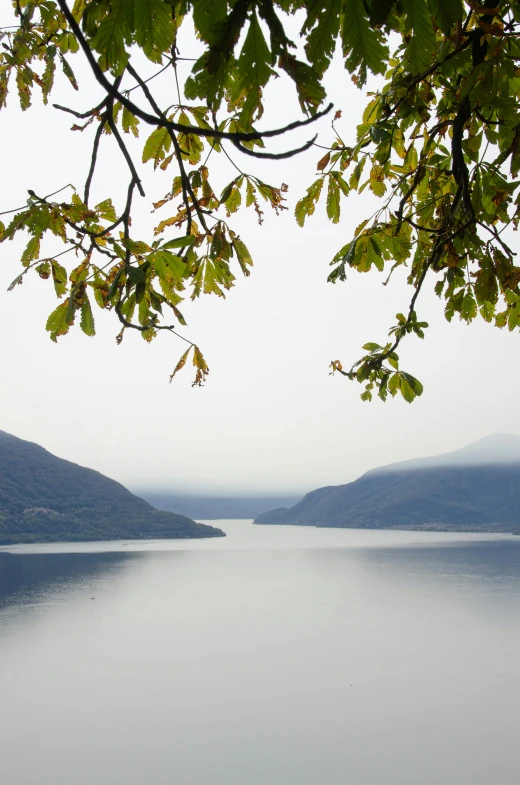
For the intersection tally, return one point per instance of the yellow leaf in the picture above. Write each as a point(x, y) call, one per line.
point(173, 221)
point(323, 162)
point(202, 369)
point(181, 363)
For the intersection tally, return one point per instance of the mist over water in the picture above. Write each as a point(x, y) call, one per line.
point(276, 655)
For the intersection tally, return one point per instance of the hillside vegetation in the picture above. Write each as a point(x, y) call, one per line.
point(452, 492)
point(44, 498)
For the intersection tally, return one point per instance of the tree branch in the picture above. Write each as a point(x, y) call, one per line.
point(239, 136)
point(113, 127)
point(187, 190)
point(275, 156)
point(93, 162)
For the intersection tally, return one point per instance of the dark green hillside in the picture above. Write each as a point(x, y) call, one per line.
point(460, 495)
point(44, 498)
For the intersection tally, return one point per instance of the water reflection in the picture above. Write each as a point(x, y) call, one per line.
point(333, 665)
point(25, 579)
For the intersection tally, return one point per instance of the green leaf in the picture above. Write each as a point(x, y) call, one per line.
point(106, 210)
point(168, 264)
point(486, 287)
point(406, 389)
point(468, 309)
point(179, 242)
point(487, 311)
point(154, 27)
point(69, 73)
point(113, 286)
point(252, 74)
point(414, 383)
point(57, 323)
point(59, 277)
point(78, 9)
point(394, 383)
point(307, 205)
point(362, 45)
point(112, 34)
point(377, 184)
point(226, 193)
point(322, 28)
point(244, 257)
point(422, 40)
point(129, 122)
point(343, 185)
point(209, 17)
point(128, 307)
point(32, 250)
point(48, 78)
point(374, 255)
point(311, 92)
point(233, 201)
point(356, 174)
point(379, 11)
point(135, 274)
point(378, 133)
point(156, 146)
point(333, 201)
point(87, 319)
point(446, 13)
point(43, 270)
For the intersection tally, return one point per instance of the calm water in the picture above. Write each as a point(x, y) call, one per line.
point(278, 656)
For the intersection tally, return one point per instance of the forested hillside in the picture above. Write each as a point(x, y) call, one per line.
point(44, 498)
point(476, 488)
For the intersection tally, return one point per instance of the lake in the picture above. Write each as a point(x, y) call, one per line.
point(275, 656)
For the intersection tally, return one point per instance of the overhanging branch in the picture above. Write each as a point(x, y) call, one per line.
point(238, 136)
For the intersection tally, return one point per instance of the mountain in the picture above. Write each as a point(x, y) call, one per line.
point(499, 448)
point(46, 499)
point(476, 488)
point(207, 508)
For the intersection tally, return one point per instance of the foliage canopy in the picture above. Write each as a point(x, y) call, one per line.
point(438, 145)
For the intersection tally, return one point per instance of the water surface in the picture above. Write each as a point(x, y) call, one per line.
point(275, 656)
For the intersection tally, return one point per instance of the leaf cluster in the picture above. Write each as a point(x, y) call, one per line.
point(438, 145)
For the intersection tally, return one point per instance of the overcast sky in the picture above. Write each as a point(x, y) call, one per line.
point(270, 417)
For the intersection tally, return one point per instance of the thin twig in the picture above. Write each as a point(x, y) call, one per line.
point(82, 115)
point(231, 161)
point(24, 207)
point(135, 87)
point(93, 162)
point(275, 156)
point(122, 147)
point(495, 234)
point(187, 190)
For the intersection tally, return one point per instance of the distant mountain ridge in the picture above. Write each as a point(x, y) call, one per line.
point(476, 488)
point(499, 448)
point(47, 499)
point(213, 508)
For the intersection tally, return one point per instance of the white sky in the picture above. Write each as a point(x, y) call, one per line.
point(270, 417)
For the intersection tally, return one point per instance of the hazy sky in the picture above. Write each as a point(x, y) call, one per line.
point(270, 416)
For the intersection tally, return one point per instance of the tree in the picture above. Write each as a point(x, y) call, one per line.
point(438, 144)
